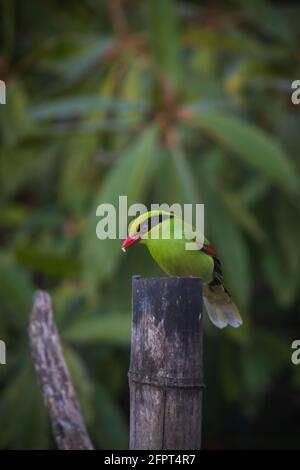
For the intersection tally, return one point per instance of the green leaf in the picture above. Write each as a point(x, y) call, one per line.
point(281, 255)
point(284, 283)
point(49, 262)
point(260, 364)
point(8, 10)
point(243, 216)
point(76, 171)
point(110, 426)
point(13, 215)
point(15, 122)
point(88, 50)
point(82, 382)
point(25, 166)
point(15, 290)
point(111, 328)
point(164, 38)
point(131, 178)
point(228, 371)
point(233, 41)
point(76, 106)
point(22, 396)
point(185, 176)
point(287, 232)
point(253, 191)
point(232, 249)
point(252, 146)
point(268, 17)
point(91, 128)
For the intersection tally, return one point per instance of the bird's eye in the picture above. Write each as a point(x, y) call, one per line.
point(151, 222)
point(147, 225)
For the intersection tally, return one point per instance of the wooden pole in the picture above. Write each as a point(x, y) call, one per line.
point(57, 388)
point(166, 370)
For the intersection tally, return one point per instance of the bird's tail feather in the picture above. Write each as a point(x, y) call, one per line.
point(220, 308)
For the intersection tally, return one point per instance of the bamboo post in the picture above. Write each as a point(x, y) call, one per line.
point(166, 370)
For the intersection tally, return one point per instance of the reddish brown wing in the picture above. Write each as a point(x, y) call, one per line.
point(209, 250)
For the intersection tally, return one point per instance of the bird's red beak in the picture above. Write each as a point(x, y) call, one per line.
point(130, 241)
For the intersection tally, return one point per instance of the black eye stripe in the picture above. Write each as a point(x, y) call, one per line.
point(151, 222)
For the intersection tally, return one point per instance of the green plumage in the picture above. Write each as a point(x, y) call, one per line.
point(167, 237)
point(171, 254)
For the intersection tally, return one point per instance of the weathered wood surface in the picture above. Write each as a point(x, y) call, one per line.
point(166, 371)
point(58, 392)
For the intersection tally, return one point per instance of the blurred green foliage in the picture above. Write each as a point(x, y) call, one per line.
point(162, 102)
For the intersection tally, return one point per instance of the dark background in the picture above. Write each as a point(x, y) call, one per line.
point(164, 102)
